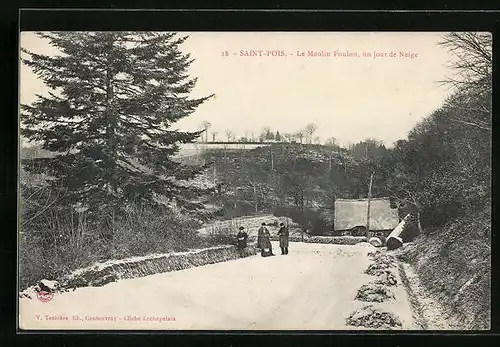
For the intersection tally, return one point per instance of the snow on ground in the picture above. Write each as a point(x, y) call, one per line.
point(251, 225)
point(100, 266)
point(432, 312)
point(312, 288)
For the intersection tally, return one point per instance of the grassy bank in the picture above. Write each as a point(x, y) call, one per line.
point(61, 244)
point(453, 263)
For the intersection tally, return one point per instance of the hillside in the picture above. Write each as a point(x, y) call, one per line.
point(252, 181)
point(288, 176)
point(453, 265)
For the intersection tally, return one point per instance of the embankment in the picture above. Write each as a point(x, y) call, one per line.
point(113, 270)
point(452, 265)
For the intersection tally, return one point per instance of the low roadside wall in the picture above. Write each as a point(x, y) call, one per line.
point(293, 238)
point(337, 240)
point(113, 270)
point(149, 265)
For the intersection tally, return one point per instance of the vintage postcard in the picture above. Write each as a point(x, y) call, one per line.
point(255, 181)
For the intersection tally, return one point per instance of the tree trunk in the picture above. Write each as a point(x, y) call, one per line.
point(394, 240)
point(368, 208)
point(112, 142)
point(255, 198)
point(419, 226)
point(110, 131)
point(334, 197)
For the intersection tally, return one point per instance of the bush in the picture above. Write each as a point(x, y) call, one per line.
point(308, 219)
point(454, 264)
point(274, 223)
point(62, 242)
point(372, 317)
point(374, 292)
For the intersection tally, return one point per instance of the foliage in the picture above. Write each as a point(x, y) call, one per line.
point(302, 177)
point(309, 131)
point(471, 60)
point(114, 96)
point(454, 263)
point(443, 170)
point(311, 220)
point(103, 184)
point(68, 241)
point(277, 136)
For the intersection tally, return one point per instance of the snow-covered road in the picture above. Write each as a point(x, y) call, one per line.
point(311, 288)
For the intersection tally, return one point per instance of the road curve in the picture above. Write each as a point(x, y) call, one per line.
point(311, 288)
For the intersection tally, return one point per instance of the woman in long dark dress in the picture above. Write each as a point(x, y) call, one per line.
point(260, 232)
point(263, 241)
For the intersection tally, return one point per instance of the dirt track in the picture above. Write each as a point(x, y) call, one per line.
point(313, 288)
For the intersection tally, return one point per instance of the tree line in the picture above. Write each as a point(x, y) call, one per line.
point(301, 178)
point(303, 136)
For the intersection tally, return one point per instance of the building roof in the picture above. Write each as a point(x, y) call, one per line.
point(350, 213)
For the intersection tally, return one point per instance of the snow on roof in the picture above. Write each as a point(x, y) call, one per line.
point(350, 213)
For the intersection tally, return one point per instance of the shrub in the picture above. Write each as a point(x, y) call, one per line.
point(372, 317)
point(374, 292)
point(308, 219)
point(63, 241)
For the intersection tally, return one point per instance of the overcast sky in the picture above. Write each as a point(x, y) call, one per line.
point(349, 98)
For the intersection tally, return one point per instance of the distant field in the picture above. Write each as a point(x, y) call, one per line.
point(186, 150)
point(193, 149)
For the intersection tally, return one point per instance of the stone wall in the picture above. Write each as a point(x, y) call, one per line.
point(149, 265)
point(113, 270)
point(338, 240)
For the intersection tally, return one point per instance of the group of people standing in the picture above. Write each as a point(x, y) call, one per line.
point(264, 241)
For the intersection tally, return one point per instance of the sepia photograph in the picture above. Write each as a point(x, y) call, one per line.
point(335, 181)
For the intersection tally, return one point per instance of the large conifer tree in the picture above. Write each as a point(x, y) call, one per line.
point(108, 116)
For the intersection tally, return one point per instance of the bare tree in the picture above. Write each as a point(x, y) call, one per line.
point(471, 62)
point(264, 135)
point(309, 131)
point(229, 135)
point(470, 59)
point(214, 133)
point(331, 142)
point(287, 137)
point(299, 135)
point(205, 125)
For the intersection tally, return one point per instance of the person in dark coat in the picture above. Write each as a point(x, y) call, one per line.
point(242, 241)
point(263, 241)
point(260, 232)
point(283, 234)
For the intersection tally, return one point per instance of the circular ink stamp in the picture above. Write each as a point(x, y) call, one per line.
point(44, 296)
